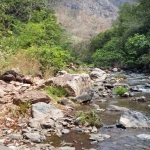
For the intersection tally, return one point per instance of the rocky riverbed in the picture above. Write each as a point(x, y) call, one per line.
point(47, 124)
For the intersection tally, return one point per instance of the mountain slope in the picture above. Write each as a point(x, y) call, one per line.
point(83, 18)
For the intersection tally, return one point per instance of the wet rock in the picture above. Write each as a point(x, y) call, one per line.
point(126, 94)
point(122, 85)
point(144, 137)
point(135, 89)
point(32, 96)
point(140, 99)
point(131, 94)
point(75, 84)
point(43, 110)
point(65, 131)
point(98, 74)
point(85, 97)
point(102, 100)
point(117, 108)
point(99, 137)
point(109, 86)
point(35, 137)
point(147, 85)
point(134, 119)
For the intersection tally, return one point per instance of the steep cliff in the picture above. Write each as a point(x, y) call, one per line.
point(84, 19)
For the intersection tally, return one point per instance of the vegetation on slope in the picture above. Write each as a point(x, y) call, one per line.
point(127, 44)
point(30, 37)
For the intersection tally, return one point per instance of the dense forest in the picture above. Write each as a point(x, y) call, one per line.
point(32, 40)
point(127, 43)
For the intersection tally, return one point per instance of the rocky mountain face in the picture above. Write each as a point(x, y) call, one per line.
point(84, 19)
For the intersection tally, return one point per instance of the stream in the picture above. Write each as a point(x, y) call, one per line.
point(121, 139)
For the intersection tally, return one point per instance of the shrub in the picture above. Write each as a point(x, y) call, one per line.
point(24, 107)
point(91, 117)
point(120, 90)
point(56, 91)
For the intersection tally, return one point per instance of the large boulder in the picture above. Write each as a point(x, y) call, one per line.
point(11, 75)
point(134, 119)
point(75, 84)
point(98, 74)
point(144, 137)
point(42, 110)
point(32, 96)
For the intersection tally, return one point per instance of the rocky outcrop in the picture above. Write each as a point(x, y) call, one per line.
point(75, 84)
point(84, 19)
point(43, 110)
point(98, 74)
point(32, 96)
point(133, 119)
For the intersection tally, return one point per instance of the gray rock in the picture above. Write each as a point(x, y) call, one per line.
point(145, 137)
point(47, 123)
point(85, 97)
point(74, 84)
point(4, 148)
point(98, 74)
point(65, 131)
point(99, 137)
point(134, 119)
point(35, 137)
point(126, 94)
point(42, 110)
point(34, 123)
point(32, 96)
point(117, 108)
point(15, 136)
point(149, 106)
point(140, 99)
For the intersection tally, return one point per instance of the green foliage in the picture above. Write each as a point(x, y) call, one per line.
point(31, 25)
point(109, 55)
point(56, 92)
point(127, 43)
point(90, 117)
point(24, 107)
point(136, 46)
point(120, 90)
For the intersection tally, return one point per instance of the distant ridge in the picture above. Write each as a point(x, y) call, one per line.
point(86, 18)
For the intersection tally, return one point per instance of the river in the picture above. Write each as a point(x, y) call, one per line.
point(121, 139)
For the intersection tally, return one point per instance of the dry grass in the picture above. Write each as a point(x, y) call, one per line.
point(26, 63)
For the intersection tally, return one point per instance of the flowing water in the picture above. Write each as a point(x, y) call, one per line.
point(121, 139)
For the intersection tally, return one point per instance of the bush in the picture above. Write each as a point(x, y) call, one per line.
point(120, 90)
point(56, 92)
point(91, 117)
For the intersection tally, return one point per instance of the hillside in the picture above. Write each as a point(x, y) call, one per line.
point(85, 19)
